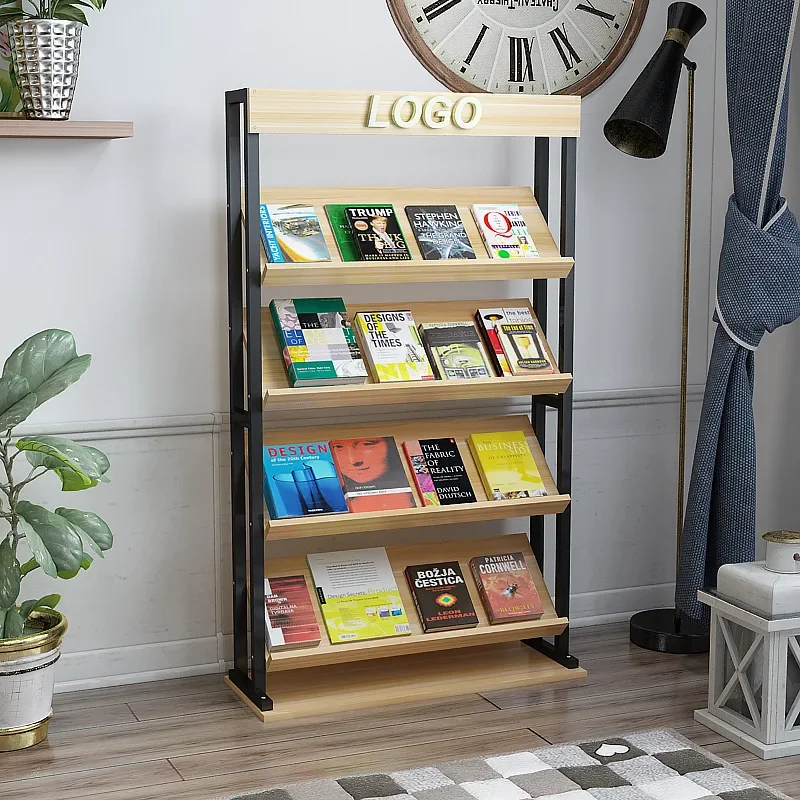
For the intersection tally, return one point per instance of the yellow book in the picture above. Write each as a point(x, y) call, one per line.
point(506, 465)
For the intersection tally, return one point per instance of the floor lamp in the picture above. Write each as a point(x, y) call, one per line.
point(640, 127)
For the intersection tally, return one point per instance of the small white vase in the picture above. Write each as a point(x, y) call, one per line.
point(783, 552)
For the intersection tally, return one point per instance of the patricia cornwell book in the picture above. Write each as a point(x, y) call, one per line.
point(441, 596)
point(440, 232)
point(506, 587)
point(291, 622)
point(377, 233)
point(439, 472)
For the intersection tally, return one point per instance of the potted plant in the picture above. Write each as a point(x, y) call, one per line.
point(61, 543)
point(45, 38)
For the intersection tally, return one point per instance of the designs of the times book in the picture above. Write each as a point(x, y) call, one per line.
point(377, 233)
point(506, 465)
point(393, 347)
point(300, 480)
point(358, 595)
point(292, 234)
point(317, 342)
point(506, 587)
point(439, 472)
point(456, 350)
point(504, 231)
point(441, 596)
point(291, 621)
point(440, 232)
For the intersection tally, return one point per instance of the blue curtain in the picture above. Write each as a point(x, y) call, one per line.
point(758, 290)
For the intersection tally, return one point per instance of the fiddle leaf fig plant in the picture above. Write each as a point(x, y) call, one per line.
point(12, 10)
point(62, 542)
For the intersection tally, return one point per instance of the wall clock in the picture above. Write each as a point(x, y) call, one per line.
point(513, 46)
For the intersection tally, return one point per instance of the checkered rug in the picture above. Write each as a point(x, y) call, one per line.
point(656, 765)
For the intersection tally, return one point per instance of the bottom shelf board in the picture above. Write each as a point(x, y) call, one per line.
point(425, 676)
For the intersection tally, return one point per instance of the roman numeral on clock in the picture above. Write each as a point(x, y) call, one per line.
point(436, 8)
point(589, 8)
point(520, 60)
point(475, 46)
point(569, 55)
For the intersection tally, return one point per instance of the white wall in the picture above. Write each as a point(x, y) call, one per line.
point(122, 243)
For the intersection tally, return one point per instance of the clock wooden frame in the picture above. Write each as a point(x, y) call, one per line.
point(454, 83)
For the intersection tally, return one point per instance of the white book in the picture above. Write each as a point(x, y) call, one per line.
point(504, 231)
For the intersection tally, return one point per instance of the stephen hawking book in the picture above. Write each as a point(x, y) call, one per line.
point(504, 231)
point(506, 587)
point(506, 465)
point(317, 342)
point(441, 596)
point(300, 480)
point(291, 622)
point(392, 345)
point(293, 234)
point(358, 595)
point(439, 472)
point(440, 232)
point(342, 232)
point(456, 350)
point(377, 233)
point(372, 474)
point(490, 321)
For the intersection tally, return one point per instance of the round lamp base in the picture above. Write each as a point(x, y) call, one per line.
point(657, 631)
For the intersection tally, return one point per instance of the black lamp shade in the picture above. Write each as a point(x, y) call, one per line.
point(640, 125)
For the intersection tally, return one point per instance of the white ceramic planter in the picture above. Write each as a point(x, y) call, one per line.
point(783, 552)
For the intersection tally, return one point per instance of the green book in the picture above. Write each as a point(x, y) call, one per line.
point(342, 232)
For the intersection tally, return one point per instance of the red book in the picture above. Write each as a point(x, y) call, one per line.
point(506, 587)
point(291, 621)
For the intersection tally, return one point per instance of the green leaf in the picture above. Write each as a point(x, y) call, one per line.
point(15, 625)
point(57, 536)
point(94, 531)
point(48, 361)
point(86, 562)
point(10, 15)
point(3, 612)
point(71, 13)
point(9, 574)
point(38, 549)
point(78, 467)
point(28, 566)
point(29, 606)
point(17, 402)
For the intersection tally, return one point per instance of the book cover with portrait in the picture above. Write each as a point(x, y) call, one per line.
point(377, 233)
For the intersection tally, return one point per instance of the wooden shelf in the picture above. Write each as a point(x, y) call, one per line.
point(551, 263)
point(459, 429)
point(12, 128)
point(418, 642)
point(278, 394)
point(343, 688)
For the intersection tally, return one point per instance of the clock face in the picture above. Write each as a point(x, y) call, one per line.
point(518, 46)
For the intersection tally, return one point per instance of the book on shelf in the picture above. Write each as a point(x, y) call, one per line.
point(440, 232)
point(291, 621)
point(441, 596)
point(456, 351)
point(506, 465)
point(372, 475)
point(317, 342)
point(358, 595)
point(439, 472)
point(300, 480)
point(506, 588)
point(292, 233)
point(504, 231)
point(514, 341)
point(342, 232)
point(392, 346)
point(376, 232)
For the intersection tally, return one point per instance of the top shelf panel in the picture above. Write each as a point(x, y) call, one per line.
point(40, 129)
point(411, 113)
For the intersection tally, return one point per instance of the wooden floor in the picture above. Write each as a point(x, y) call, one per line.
point(189, 738)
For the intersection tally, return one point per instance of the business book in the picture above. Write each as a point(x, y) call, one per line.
point(504, 231)
point(506, 587)
point(441, 596)
point(292, 233)
point(456, 350)
point(377, 233)
point(506, 465)
point(440, 232)
point(439, 472)
point(291, 621)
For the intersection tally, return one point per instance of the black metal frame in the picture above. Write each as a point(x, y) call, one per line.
point(249, 673)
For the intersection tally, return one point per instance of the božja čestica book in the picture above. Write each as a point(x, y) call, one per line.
point(393, 347)
point(456, 350)
point(441, 596)
point(300, 480)
point(504, 231)
point(372, 474)
point(291, 621)
point(440, 232)
point(342, 232)
point(506, 587)
point(358, 595)
point(377, 233)
point(439, 472)
point(317, 342)
point(292, 233)
point(506, 465)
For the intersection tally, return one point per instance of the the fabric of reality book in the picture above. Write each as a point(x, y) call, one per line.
point(506, 587)
point(504, 231)
point(506, 465)
point(439, 472)
point(358, 595)
point(441, 596)
point(377, 233)
point(456, 350)
point(292, 233)
point(440, 232)
point(291, 621)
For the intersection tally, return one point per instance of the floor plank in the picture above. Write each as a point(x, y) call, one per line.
point(75, 719)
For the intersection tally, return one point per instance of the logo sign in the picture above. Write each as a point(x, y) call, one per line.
point(437, 112)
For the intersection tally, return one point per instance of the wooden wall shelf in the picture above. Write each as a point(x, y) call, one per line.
point(459, 429)
point(13, 128)
point(278, 394)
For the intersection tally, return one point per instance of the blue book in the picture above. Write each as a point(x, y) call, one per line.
point(300, 480)
point(269, 239)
